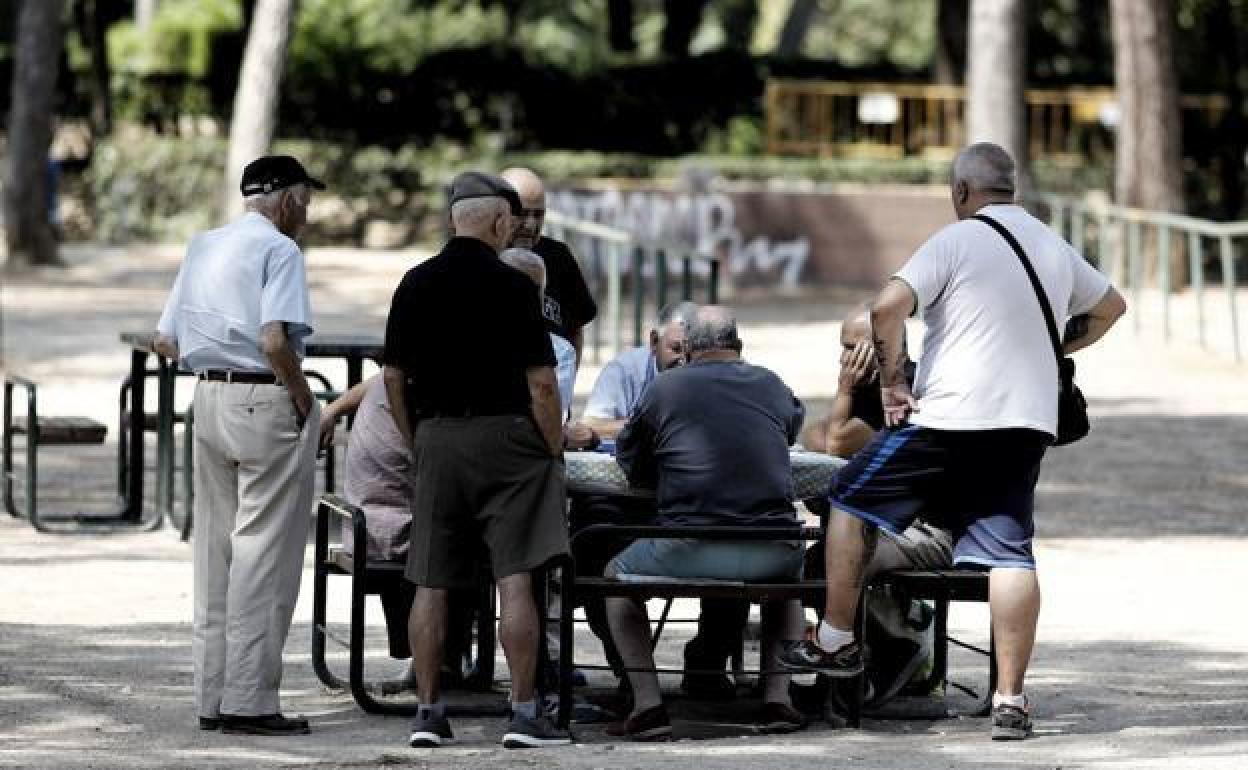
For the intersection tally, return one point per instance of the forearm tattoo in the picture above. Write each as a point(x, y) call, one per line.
point(891, 363)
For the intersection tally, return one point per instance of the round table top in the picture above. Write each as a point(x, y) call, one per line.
point(599, 473)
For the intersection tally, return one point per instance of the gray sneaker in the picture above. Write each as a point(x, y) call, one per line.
point(1010, 723)
point(430, 731)
point(525, 733)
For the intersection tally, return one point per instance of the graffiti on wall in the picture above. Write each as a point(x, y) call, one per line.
point(706, 223)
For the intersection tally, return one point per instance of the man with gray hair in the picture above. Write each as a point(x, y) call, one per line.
point(713, 438)
point(487, 444)
point(965, 446)
point(534, 267)
point(237, 316)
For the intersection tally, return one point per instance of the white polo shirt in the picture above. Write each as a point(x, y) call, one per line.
point(987, 361)
point(234, 280)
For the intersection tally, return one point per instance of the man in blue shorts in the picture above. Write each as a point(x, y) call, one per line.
point(965, 447)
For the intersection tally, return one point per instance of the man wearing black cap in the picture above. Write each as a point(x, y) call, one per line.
point(487, 442)
point(237, 316)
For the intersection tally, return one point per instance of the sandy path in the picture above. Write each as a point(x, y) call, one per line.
point(1144, 547)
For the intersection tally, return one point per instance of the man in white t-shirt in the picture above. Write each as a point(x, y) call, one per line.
point(965, 446)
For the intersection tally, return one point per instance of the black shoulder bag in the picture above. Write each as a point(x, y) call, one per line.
point(1072, 408)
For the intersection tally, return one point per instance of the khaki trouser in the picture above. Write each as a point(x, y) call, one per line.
point(254, 485)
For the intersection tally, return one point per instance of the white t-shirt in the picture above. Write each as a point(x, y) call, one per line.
point(987, 361)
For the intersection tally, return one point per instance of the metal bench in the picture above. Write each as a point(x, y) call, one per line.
point(371, 577)
point(942, 587)
point(39, 431)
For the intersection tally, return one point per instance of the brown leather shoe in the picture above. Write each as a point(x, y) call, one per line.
point(266, 724)
point(652, 724)
point(779, 718)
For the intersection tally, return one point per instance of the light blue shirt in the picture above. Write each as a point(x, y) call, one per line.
point(234, 280)
point(565, 372)
point(621, 384)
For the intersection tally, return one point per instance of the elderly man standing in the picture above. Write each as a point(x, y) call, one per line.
point(567, 304)
point(715, 435)
point(237, 316)
point(487, 444)
point(967, 451)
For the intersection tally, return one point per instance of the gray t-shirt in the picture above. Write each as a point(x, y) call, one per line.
point(621, 384)
point(715, 436)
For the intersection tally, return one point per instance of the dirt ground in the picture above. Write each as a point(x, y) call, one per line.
point(1143, 550)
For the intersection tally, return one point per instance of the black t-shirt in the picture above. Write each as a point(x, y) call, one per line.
point(715, 436)
point(464, 327)
point(568, 303)
point(868, 406)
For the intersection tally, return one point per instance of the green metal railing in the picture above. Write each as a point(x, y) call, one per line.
point(1116, 236)
point(605, 252)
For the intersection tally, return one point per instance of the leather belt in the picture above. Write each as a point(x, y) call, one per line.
point(248, 378)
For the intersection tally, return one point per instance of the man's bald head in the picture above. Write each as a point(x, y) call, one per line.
point(856, 326)
point(528, 184)
point(533, 199)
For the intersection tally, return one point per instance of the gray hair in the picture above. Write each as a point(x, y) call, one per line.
point(526, 262)
point(474, 215)
point(680, 312)
point(713, 328)
point(985, 167)
point(267, 202)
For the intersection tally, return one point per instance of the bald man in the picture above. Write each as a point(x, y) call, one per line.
point(856, 413)
point(567, 304)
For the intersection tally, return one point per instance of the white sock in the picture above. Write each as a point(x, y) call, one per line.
point(832, 639)
point(434, 710)
point(1017, 701)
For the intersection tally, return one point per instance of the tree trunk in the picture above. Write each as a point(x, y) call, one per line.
point(255, 102)
point(995, 78)
point(796, 25)
point(681, 20)
point(1148, 156)
point(620, 26)
point(90, 19)
point(28, 232)
point(1232, 145)
point(949, 59)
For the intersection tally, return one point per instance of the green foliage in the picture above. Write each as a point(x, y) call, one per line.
point(859, 33)
point(178, 40)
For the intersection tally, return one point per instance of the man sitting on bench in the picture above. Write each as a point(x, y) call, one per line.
point(715, 436)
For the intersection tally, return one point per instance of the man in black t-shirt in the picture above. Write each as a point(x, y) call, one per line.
point(568, 305)
point(487, 445)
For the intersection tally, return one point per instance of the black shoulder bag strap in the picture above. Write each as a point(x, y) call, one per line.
point(1035, 283)
point(1072, 409)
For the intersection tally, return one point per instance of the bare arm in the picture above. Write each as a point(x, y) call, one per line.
point(396, 392)
point(1101, 317)
point(604, 426)
point(894, 304)
point(166, 346)
point(276, 348)
point(578, 342)
point(840, 433)
point(544, 393)
point(340, 407)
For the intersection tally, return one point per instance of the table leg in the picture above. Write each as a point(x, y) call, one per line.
point(167, 373)
point(132, 511)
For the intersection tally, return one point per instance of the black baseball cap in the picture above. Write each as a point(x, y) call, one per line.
point(477, 184)
point(275, 172)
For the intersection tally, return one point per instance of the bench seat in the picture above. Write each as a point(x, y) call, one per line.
point(63, 430)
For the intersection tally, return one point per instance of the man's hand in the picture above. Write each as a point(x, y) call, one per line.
point(329, 421)
point(898, 403)
point(855, 365)
point(578, 435)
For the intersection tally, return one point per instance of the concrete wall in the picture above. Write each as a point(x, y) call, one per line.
point(778, 237)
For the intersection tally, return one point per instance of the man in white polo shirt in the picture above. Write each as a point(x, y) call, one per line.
point(965, 447)
point(237, 316)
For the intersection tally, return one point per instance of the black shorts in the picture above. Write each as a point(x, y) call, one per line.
point(483, 480)
point(978, 484)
